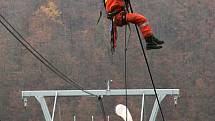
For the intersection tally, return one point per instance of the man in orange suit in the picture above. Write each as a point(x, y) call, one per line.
point(116, 12)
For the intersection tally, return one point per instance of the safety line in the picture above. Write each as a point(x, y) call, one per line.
point(149, 71)
point(126, 86)
point(102, 108)
point(43, 60)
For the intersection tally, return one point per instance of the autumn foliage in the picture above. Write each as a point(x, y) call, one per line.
point(65, 32)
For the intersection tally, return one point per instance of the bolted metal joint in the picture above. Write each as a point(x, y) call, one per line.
point(108, 84)
point(175, 100)
point(25, 100)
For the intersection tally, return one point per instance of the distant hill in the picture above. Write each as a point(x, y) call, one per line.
point(65, 32)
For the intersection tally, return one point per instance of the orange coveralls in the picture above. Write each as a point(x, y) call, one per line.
point(135, 18)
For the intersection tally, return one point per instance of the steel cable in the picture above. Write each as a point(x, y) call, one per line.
point(149, 70)
point(44, 61)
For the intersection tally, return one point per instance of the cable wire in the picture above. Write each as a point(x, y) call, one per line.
point(149, 71)
point(126, 91)
point(43, 60)
point(102, 107)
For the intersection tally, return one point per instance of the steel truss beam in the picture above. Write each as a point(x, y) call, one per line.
point(40, 96)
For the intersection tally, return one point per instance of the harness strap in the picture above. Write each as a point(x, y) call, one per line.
point(111, 15)
point(113, 36)
point(100, 15)
point(124, 22)
point(114, 27)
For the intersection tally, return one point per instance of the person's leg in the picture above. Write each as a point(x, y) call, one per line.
point(142, 22)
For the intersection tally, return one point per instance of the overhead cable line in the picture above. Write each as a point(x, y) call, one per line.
point(42, 59)
point(149, 71)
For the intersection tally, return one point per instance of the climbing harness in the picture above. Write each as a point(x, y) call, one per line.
point(112, 17)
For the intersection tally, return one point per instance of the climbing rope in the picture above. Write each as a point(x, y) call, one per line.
point(126, 87)
point(146, 60)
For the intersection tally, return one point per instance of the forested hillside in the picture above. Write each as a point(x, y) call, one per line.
point(65, 32)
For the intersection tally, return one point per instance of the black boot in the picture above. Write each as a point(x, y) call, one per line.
point(153, 43)
point(150, 46)
point(155, 40)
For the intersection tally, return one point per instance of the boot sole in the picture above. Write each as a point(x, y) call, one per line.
point(158, 43)
point(150, 48)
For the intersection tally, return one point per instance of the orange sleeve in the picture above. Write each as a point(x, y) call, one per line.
point(112, 5)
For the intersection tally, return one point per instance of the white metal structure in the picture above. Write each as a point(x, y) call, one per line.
point(40, 96)
point(122, 111)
